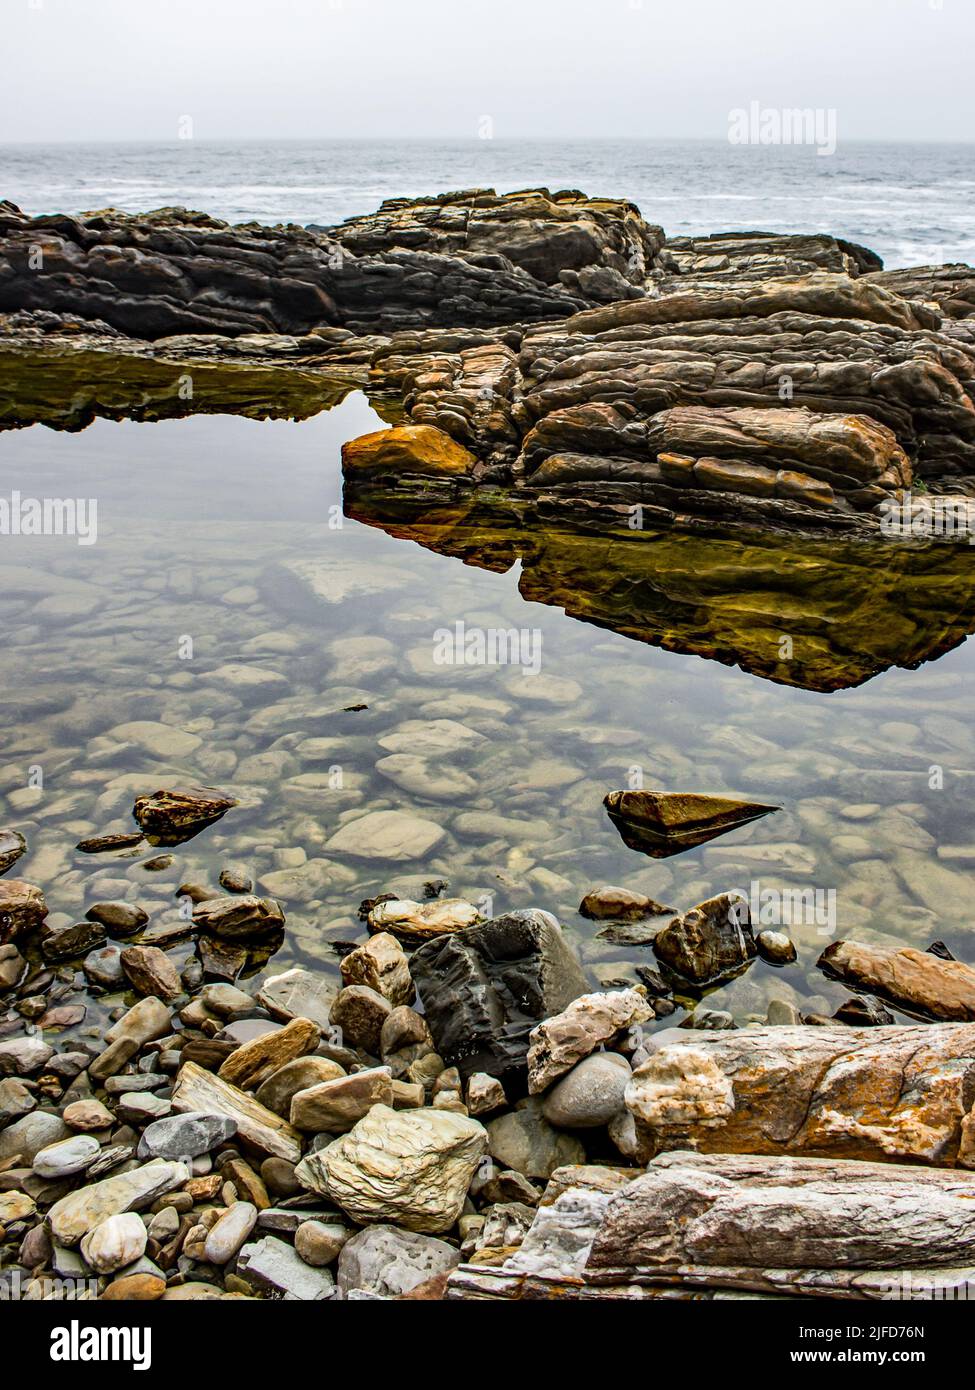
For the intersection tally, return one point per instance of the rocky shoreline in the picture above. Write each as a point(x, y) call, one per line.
point(548, 346)
point(677, 439)
point(459, 1116)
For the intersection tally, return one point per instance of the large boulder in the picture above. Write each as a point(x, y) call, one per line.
point(408, 1167)
point(888, 1093)
point(918, 982)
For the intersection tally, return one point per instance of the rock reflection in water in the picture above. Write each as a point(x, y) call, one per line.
point(821, 614)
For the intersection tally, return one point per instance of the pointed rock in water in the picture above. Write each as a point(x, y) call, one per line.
point(711, 942)
point(917, 982)
point(170, 817)
point(665, 823)
point(12, 846)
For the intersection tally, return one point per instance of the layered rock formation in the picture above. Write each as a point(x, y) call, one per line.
point(883, 1094)
point(760, 1226)
point(579, 356)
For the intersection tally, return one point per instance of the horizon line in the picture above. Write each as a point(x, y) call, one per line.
point(460, 140)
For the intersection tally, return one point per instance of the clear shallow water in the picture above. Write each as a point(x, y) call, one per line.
point(199, 520)
point(912, 203)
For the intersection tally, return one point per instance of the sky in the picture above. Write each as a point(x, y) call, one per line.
point(259, 69)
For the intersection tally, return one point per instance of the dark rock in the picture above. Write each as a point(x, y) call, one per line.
point(484, 988)
point(711, 942)
point(775, 947)
point(458, 258)
point(246, 918)
point(170, 817)
point(118, 918)
point(938, 948)
point(858, 1012)
point(221, 960)
point(105, 844)
point(662, 824)
point(65, 943)
point(185, 1136)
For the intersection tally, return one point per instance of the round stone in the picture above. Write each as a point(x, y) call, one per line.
point(67, 1156)
point(590, 1094)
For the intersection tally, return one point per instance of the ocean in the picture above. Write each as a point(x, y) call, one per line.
point(911, 203)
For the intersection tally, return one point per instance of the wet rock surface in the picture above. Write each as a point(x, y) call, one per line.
point(555, 343)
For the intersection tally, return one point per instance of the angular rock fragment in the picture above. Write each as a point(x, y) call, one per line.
point(360, 1013)
point(173, 816)
point(151, 971)
point(485, 988)
point(590, 1021)
point(382, 965)
point(662, 824)
point(711, 942)
point(258, 1059)
point(199, 1090)
point(408, 1167)
point(300, 993)
point(274, 1268)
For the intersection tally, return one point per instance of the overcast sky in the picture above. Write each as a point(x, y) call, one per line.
point(130, 69)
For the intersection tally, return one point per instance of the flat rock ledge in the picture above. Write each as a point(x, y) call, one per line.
point(703, 1225)
point(552, 345)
